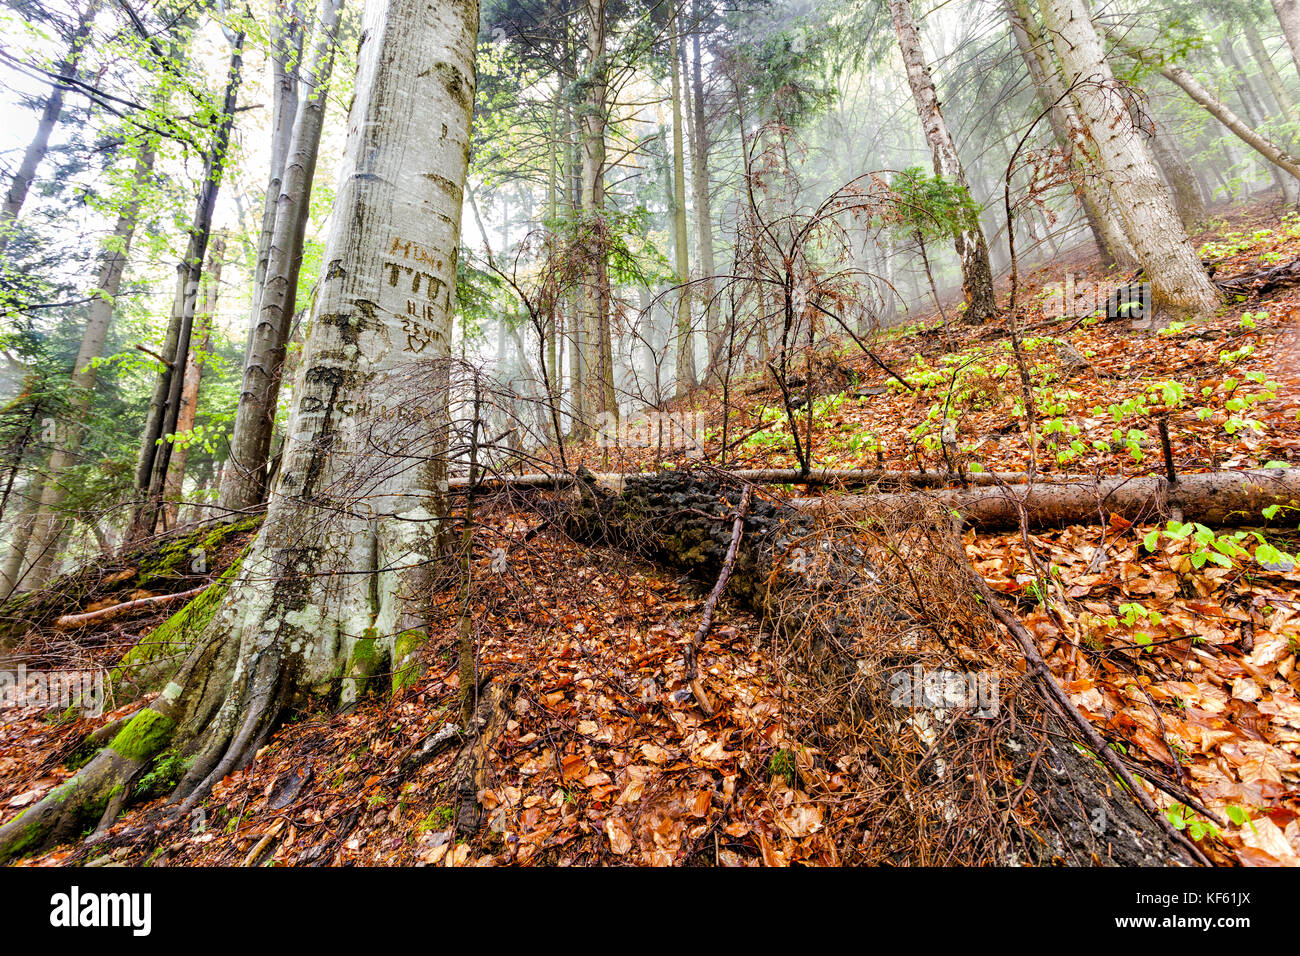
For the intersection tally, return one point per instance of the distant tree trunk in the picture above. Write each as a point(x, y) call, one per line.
point(685, 339)
point(11, 573)
point(49, 522)
point(598, 349)
point(194, 364)
point(287, 35)
point(703, 205)
point(164, 407)
point(1107, 230)
point(1178, 281)
point(1288, 15)
point(1220, 111)
point(40, 143)
point(972, 248)
point(298, 619)
point(1285, 103)
point(244, 482)
point(1180, 177)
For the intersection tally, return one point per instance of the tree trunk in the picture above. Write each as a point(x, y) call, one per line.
point(1288, 15)
point(685, 339)
point(243, 485)
point(1285, 103)
point(1219, 499)
point(713, 332)
point(1180, 177)
point(194, 364)
point(972, 248)
point(164, 407)
point(20, 534)
point(298, 618)
point(1178, 282)
point(597, 349)
point(49, 522)
point(1107, 230)
point(287, 36)
point(40, 144)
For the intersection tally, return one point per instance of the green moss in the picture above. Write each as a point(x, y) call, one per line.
point(173, 559)
point(406, 669)
point(153, 659)
point(144, 736)
point(365, 659)
point(31, 838)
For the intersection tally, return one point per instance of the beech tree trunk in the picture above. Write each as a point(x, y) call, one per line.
point(1178, 282)
point(972, 248)
point(298, 618)
point(243, 484)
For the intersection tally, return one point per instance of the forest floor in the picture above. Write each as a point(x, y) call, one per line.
point(1178, 643)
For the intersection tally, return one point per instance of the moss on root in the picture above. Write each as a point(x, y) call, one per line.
point(406, 668)
point(144, 736)
point(154, 658)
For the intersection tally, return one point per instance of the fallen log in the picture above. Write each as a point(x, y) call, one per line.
point(1035, 768)
point(1262, 280)
point(1220, 499)
point(118, 610)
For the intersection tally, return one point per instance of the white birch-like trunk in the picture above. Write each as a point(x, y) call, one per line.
point(1069, 130)
point(1178, 282)
point(972, 248)
point(352, 523)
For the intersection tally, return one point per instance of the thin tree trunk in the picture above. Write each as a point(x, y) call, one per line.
point(1180, 177)
point(685, 340)
point(155, 451)
point(703, 206)
point(972, 248)
point(49, 522)
point(1285, 103)
point(244, 482)
point(1178, 281)
point(287, 34)
point(40, 143)
point(194, 365)
point(596, 349)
